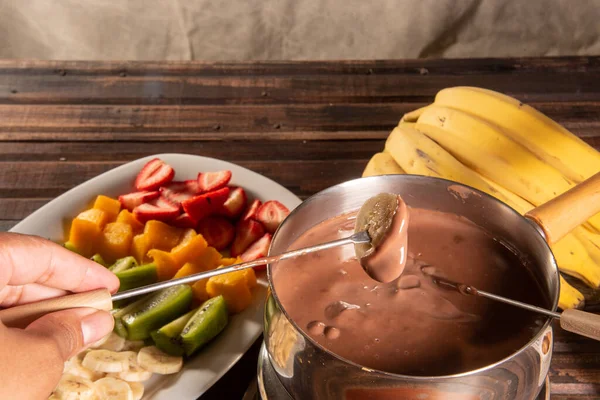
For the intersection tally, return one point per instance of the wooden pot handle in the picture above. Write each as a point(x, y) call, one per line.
point(21, 316)
point(564, 213)
point(581, 322)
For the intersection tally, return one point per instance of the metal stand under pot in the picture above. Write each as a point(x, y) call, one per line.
point(266, 386)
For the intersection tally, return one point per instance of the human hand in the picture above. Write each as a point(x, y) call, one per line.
point(33, 269)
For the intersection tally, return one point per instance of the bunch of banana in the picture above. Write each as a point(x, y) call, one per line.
point(509, 150)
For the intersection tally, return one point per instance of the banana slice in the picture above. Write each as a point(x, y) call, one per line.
point(75, 367)
point(133, 345)
point(113, 342)
point(134, 373)
point(152, 359)
point(106, 361)
point(137, 389)
point(72, 387)
point(113, 389)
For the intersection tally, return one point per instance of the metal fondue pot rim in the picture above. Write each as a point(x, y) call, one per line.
point(352, 182)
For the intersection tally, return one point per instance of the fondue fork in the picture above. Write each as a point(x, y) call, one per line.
point(21, 316)
point(580, 322)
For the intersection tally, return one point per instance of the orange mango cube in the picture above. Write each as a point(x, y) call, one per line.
point(186, 236)
point(190, 250)
point(161, 235)
point(139, 248)
point(209, 259)
point(126, 217)
point(86, 231)
point(199, 291)
point(116, 241)
point(189, 268)
point(165, 265)
point(235, 288)
point(110, 206)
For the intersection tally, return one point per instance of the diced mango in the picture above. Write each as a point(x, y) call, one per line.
point(110, 206)
point(199, 291)
point(189, 268)
point(139, 248)
point(126, 217)
point(234, 287)
point(230, 261)
point(165, 265)
point(209, 259)
point(186, 236)
point(116, 241)
point(161, 235)
point(86, 231)
point(190, 250)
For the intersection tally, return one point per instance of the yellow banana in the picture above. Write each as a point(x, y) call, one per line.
point(412, 116)
point(484, 147)
point(417, 154)
point(382, 164)
point(569, 296)
point(551, 142)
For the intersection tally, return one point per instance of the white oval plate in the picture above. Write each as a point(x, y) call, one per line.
point(210, 364)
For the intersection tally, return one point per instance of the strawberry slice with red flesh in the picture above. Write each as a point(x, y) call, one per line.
point(159, 209)
point(203, 205)
point(235, 203)
point(257, 250)
point(176, 192)
point(184, 221)
point(217, 231)
point(250, 212)
point(132, 200)
point(271, 214)
point(209, 181)
point(153, 175)
point(192, 186)
point(247, 232)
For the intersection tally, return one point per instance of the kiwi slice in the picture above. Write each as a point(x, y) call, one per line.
point(137, 276)
point(123, 263)
point(71, 247)
point(375, 216)
point(117, 313)
point(156, 310)
point(206, 323)
point(98, 258)
point(167, 338)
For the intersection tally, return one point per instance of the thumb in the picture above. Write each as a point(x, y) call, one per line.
point(32, 359)
point(73, 330)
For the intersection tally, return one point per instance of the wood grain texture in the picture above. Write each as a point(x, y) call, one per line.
point(306, 125)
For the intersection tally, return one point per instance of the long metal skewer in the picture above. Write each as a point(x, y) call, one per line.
point(360, 237)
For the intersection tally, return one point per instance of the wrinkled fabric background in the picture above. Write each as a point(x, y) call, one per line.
point(296, 29)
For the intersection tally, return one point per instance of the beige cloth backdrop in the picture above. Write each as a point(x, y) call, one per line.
point(296, 29)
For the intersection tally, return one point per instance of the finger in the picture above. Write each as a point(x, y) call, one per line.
point(30, 293)
point(73, 330)
point(30, 259)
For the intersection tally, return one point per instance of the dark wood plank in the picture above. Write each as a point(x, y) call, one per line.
point(230, 90)
point(231, 149)
point(5, 225)
point(76, 122)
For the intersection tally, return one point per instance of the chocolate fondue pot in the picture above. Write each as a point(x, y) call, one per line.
point(309, 371)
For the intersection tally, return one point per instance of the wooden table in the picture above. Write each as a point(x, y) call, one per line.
point(308, 126)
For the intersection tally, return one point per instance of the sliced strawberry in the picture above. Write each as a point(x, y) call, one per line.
point(217, 231)
point(184, 221)
point(271, 214)
point(132, 200)
point(192, 186)
point(209, 181)
point(258, 249)
point(251, 210)
point(235, 203)
point(153, 175)
point(203, 205)
point(247, 232)
point(176, 192)
point(160, 209)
